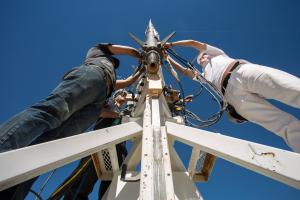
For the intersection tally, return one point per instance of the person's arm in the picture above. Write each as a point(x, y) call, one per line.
point(185, 71)
point(129, 80)
point(120, 49)
point(106, 113)
point(200, 46)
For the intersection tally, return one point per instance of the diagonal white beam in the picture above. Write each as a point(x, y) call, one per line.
point(275, 163)
point(22, 164)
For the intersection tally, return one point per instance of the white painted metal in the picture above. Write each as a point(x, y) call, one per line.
point(114, 158)
point(164, 110)
point(275, 163)
point(193, 161)
point(25, 163)
point(146, 182)
point(176, 163)
point(106, 162)
point(183, 188)
point(167, 170)
point(134, 156)
point(140, 106)
point(162, 182)
point(120, 190)
point(156, 172)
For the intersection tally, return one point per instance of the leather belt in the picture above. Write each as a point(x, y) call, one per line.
point(232, 66)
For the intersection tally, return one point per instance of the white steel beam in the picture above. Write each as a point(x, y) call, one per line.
point(166, 164)
point(184, 188)
point(176, 162)
point(156, 172)
point(275, 163)
point(134, 156)
point(146, 183)
point(22, 164)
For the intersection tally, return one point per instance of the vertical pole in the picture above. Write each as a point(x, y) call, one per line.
point(156, 173)
point(146, 186)
point(159, 181)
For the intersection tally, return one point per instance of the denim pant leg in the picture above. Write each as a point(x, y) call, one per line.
point(76, 124)
point(79, 88)
point(83, 183)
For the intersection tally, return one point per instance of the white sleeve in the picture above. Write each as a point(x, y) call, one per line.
point(208, 73)
point(213, 51)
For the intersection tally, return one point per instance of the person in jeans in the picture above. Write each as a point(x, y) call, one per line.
point(79, 97)
point(87, 85)
point(83, 178)
point(246, 86)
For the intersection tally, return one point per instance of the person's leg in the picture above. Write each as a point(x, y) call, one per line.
point(18, 192)
point(76, 124)
point(121, 152)
point(104, 185)
point(271, 83)
point(86, 186)
point(81, 87)
point(257, 110)
point(83, 180)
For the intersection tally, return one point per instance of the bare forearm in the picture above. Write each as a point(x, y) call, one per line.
point(185, 71)
point(109, 114)
point(121, 84)
point(129, 80)
point(190, 43)
point(120, 49)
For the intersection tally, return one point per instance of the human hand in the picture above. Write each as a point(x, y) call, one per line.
point(167, 45)
point(165, 55)
point(142, 69)
point(188, 98)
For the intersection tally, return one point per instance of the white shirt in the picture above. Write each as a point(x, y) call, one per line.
point(215, 68)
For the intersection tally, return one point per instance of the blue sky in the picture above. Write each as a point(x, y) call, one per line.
point(41, 40)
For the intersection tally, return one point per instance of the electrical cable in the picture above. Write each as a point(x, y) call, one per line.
point(45, 183)
point(59, 192)
point(179, 84)
point(80, 184)
point(212, 90)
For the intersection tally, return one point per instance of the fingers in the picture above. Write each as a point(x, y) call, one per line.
point(167, 45)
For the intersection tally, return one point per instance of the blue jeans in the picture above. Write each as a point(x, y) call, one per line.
point(70, 109)
point(76, 124)
point(83, 86)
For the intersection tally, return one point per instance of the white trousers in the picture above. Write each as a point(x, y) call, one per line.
point(248, 88)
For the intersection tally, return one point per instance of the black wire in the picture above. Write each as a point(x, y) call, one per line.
point(212, 90)
point(181, 90)
point(179, 58)
point(183, 97)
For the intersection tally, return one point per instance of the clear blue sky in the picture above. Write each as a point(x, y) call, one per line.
point(41, 40)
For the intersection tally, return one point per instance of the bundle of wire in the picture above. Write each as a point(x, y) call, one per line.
point(209, 87)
